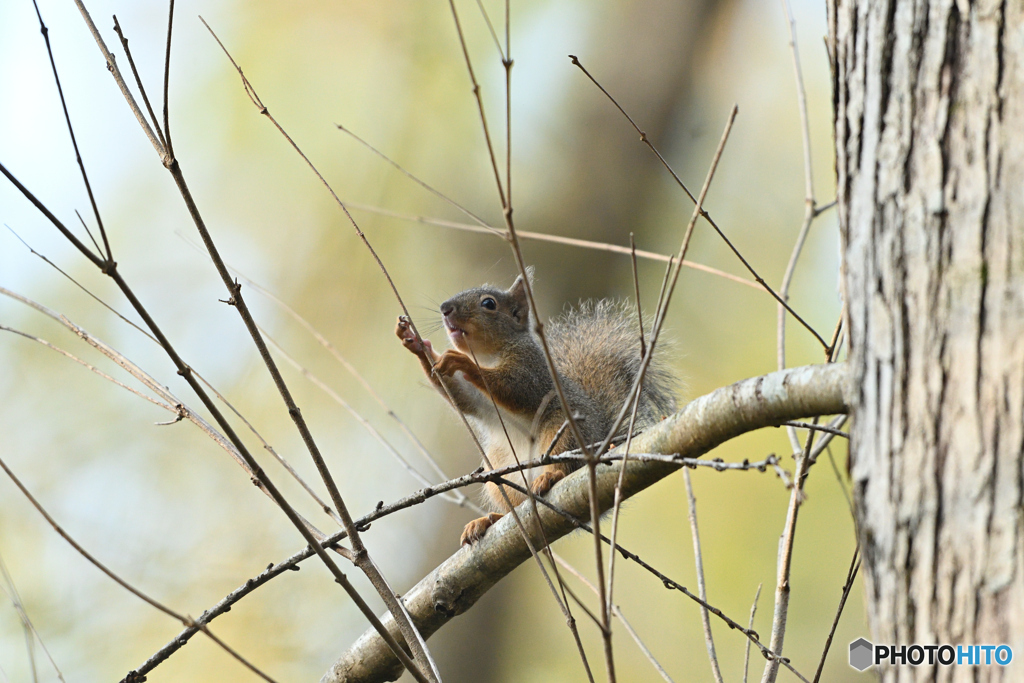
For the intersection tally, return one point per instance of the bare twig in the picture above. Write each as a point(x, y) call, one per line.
point(89, 367)
point(704, 213)
point(31, 634)
point(426, 186)
point(750, 625)
point(851, 574)
point(138, 81)
point(416, 644)
point(186, 620)
point(817, 428)
point(167, 78)
point(80, 285)
point(617, 505)
point(709, 641)
point(490, 27)
point(809, 206)
point(636, 291)
point(620, 616)
point(74, 142)
point(505, 196)
point(842, 485)
point(122, 85)
point(785, 559)
point(555, 239)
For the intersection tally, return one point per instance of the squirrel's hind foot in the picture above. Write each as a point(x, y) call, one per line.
point(543, 483)
point(476, 529)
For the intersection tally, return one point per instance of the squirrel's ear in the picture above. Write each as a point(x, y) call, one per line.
point(518, 284)
point(518, 290)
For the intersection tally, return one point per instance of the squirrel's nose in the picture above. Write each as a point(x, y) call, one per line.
point(447, 308)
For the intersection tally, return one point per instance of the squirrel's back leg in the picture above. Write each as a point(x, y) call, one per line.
point(552, 474)
point(476, 529)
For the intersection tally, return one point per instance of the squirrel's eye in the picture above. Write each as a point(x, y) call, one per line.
point(489, 303)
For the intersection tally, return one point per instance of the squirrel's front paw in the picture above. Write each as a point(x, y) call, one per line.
point(411, 340)
point(476, 529)
point(543, 483)
point(452, 362)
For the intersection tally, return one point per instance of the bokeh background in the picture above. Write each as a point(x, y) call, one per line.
point(170, 512)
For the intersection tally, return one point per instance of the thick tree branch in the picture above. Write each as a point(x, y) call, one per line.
point(454, 586)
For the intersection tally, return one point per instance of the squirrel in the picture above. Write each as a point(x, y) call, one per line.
point(498, 360)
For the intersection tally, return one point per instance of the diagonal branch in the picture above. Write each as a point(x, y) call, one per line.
point(454, 586)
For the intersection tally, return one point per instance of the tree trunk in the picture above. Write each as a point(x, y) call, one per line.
point(929, 125)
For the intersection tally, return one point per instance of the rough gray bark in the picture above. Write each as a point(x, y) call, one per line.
point(930, 161)
point(703, 424)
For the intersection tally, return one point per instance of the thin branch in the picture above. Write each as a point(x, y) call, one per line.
point(30, 628)
point(479, 104)
point(122, 85)
point(621, 617)
point(80, 285)
point(167, 78)
point(851, 574)
point(71, 131)
point(186, 620)
point(363, 560)
point(805, 127)
point(785, 559)
point(842, 484)
point(709, 641)
point(99, 249)
point(138, 81)
point(809, 206)
point(825, 207)
point(827, 437)
point(87, 366)
point(429, 188)
point(750, 625)
point(817, 428)
point(617, 505)
point(556, 239)
point(490, 27)
point(704, 213)
point(636, 291)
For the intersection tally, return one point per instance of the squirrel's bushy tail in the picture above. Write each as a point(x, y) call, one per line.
point(597, 346)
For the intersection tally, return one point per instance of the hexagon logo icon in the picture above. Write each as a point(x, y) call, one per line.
point(861, 652)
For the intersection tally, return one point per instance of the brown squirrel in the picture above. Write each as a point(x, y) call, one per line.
point(497, 355)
